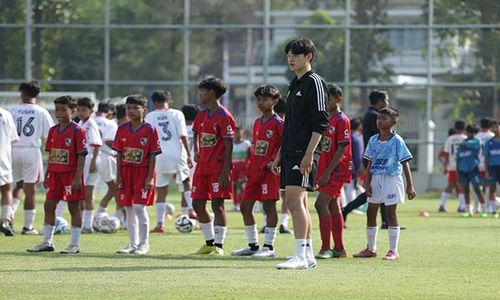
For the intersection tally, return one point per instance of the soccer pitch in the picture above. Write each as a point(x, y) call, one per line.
point(442, 256)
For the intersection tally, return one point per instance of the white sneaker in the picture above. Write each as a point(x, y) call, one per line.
point(247, 251)
point(311, 263)
point(264, 252)
point(71, 249)
point(127, 250)
point(143, 249)
point(293, 263)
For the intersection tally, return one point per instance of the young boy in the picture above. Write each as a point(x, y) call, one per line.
point(467, 158)
point(241, 149)
point(213, 145)
point(387, 157)
point(84, 109)
point(172, 165)
point(8, 136)
point(334, 169)
point(137, 145)
point(33, 123)
point(492, 165)
point(483, 135)
point(64, 175)
point(263, 184)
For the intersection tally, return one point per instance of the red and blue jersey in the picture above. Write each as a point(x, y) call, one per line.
point(211, 129)
point(136, 146)
point(267, 137)
point(64, 147)
point(337, 133)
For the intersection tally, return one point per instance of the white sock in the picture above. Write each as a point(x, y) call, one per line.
point(461, 200)
point(101, 210)
point(309, 249)
point(6, 212)
point(476, 202)
point(284, 219)
point(444, 198)
point(270, 236)
point(75, 236)
point(208, 230)
point(132, 225)
point(143, 221)
point(87, 217)
point(394, 238)
point(252, 234)
point(15, 205)
point(484, 208)
point(185, 211)
point(371, 237)
point(493, 206)
point(220, 234)
point(161, 209)
point(48, 233)
point(60, 208)
point(29, 218)
point(189, 200)
point(300, 248)
point(265, 221)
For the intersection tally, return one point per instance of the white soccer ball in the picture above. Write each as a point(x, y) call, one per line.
point(107, 224)
point(184, 224)
point(169, 209)
point(61, 226)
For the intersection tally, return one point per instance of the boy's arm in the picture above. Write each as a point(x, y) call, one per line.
point(77, 181)
point(93, 162)
point(151, 168)
point(119, 169)
point(228, 153)
point(486, 172)
point(275, 168)
point(195, 146)
point(333, 164)
point(306, 163)
point(185, 143)
point(368, 183)
point(410, 191)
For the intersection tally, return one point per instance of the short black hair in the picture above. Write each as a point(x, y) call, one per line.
point(214, 84)
point(301, 46)
point(137, 100)
point(356, 123)
point(161, 96)
point(85, 102)
point(391, 112)
point(472, 128)
point(121, 111)
point(66, 100)
point(190, 111)
point(485, 123)
point(267, 90)
point(459, 125)
point(30, 88)
point(280, 107)
point(376, 96)
point(105, 107)
point(334, 90)
point(451, 131)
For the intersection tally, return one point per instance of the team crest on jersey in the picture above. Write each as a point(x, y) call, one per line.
point(261, 147)
point(269, 133)
point(144, 141)
point(229, 129)
point(331, 129)
point(67, 141)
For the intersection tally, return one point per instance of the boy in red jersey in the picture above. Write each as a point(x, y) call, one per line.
point(334, 169)
point(263, 184)
point(64, 176)
point(213, 145)
point(136, 143)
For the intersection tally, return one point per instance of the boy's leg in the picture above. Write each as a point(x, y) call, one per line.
point(6, 202)
point(206, 226)
point(295, 203)
point(285, 214)
point(143, 228)
point(371, 232)
point(393, 231)
point(110, 193)
point(16, 197)
point(76, 224)
point(325, 222)
point(49, 221)
point(337, 228)
point(246, 209)
point(29, 208)
point(271, 223)
point(492, 201)
point(220, 222)
point(161, 208)
point(88, 209)
point(188, 198)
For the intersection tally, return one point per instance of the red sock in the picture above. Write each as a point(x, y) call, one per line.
point(325, 223)
point(338, 232)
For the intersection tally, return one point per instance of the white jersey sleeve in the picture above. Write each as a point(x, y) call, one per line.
point(8, 135)
point(32, 123)
point(92, 135)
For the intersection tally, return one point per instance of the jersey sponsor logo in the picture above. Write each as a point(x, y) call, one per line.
point(261, 147)
point(326, 144)
point(269, 133)
point(298, 94)
point(59, 156)
point(495, 152)
point(133, 155)
point(144, 141)
point(208, 140)
point(67, 141)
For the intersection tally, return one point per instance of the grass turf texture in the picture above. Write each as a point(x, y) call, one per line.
point(442, 256)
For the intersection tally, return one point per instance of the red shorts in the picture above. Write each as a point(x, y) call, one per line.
point(133, 187)
point(239, 174)
point(262, 187)
point(452, 176)
point(332, 189)
point(207, 187)
point(59, 187)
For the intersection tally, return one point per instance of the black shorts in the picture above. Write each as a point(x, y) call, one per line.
point(290, 172)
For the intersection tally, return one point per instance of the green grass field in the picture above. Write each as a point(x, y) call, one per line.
point(442, 256)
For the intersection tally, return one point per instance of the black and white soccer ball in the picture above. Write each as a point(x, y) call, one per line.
point(106, 223)
point(184, 224)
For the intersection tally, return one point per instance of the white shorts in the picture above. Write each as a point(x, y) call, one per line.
point(165, 179)
point(27, 164)
point(387, 189)
point(5, 179)
point(90, 179)
point(107, 167)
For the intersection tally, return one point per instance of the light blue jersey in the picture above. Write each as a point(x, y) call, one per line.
point(492, 152)
point(386, 156)
point(467, 155)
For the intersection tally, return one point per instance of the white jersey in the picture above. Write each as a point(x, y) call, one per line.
point(92, 135)
point(451, 146)
point(107, 130)
point(190, 138)
point(32, 122)
point(171, 126)
point(8, 135)
point(483, 136)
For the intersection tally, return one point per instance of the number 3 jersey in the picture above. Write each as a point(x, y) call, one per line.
point(136, 146)
point(171, 126)
point(32, 123)
point(64, 147)
point(267, 137)
point(211, 129)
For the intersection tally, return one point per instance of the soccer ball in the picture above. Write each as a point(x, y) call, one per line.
point(169, 210)
point(184, 224)
point(61, 226)
point(106, 224)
